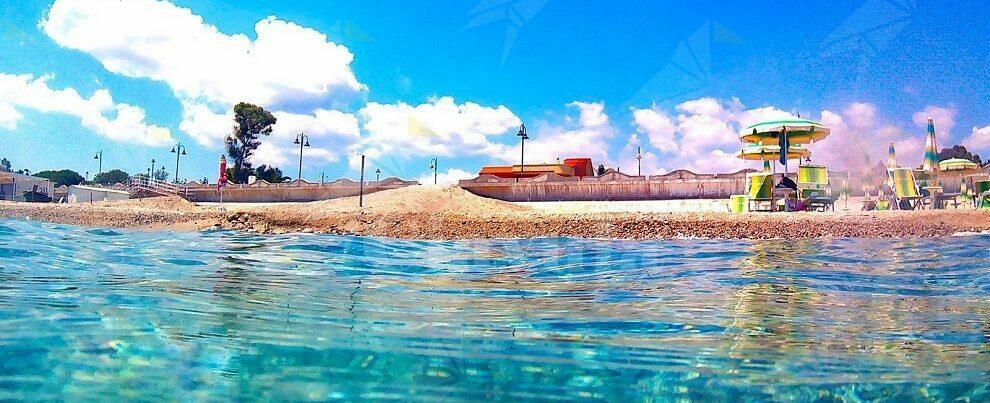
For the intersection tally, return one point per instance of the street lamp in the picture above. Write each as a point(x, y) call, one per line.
point(378, 174)
point(639, 162)
point(178, 150)
point(361, 191)
point(303, 141)
point(434, 164)
point(522, 147)
point(152, 171)
point(99, 156)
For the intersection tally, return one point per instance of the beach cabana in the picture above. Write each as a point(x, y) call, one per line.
point(905, 188)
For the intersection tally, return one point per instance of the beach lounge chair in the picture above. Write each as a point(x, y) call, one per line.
point(982, 195)
point(813, 187)
point(906, 194)
point(760, 193)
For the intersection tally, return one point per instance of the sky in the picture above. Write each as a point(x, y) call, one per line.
point(405, 82)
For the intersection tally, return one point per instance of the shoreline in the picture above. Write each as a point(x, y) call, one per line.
point(451, 213)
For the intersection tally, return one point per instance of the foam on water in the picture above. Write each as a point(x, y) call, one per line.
point(92, 314)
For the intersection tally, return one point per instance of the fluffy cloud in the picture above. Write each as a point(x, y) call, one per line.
point(588, 136)
point(448, 178)
point(288, 69)
point(285, 64)
point(859, 138)
point(439, 127)
point(943, 118)
point(978, 140)
point(704, 135)
point(658, 127)
point(99, 113)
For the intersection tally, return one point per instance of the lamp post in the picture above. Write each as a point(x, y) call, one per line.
point(522, 147)
point(639, 162)
point(433, 165)
point(99, 156)
point(303, 141)
point(152, 171)
point(178, 150)
point(378, 174)
point(361, 190)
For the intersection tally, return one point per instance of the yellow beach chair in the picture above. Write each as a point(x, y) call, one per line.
point(813, 187)
point(905, 188)
point(760, 193)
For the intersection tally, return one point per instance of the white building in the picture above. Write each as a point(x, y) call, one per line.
point(86, 194)
point(14, 186)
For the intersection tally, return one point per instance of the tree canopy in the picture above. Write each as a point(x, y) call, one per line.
point(62, 177)
point(5, 165)
point(958, 151)
point(111, 177)
point(270, 174)
point(249, 122)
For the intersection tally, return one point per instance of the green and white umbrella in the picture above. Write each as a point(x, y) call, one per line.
point(756, 152)
point(957, 164)
point(799, 131)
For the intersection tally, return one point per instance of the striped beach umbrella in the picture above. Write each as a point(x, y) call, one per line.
point(931, 154)
point(756, 152)
point(799, 131)
point(957, 164)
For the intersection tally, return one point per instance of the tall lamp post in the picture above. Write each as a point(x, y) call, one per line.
point(361, 190)
point(522, 147)
point(378, 174)
point(303, 141)
point(99, 156)
point(151, 174)
point(178, 150)
point(434, 165)
point(639, 162)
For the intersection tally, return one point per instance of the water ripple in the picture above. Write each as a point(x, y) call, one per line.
point(95, 314)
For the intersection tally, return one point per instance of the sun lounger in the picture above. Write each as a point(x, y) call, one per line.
point(906, 194)
point(760, 193)
point(982, 192)
point(812, 179)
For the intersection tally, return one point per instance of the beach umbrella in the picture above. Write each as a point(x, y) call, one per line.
point(931, 154)
point(957, 164)
point(891, 157)
point(799, 131)
point(222, 181)
point(756, 152)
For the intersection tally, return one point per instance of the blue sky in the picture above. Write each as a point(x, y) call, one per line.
point(403, 82)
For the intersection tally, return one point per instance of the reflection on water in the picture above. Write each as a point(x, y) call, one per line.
point(88, 314)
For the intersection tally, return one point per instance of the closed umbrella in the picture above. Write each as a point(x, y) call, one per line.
point(930, 164)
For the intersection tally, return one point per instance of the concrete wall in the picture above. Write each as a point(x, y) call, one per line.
point(296, 191)
point(85, 194)
point(611, 186)
point(13, 186)
point(680, 184)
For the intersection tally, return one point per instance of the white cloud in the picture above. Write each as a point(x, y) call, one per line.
point(861, 115)
point(943, 118)
point(587, 137)
point(99, 113)
point(978, 140)
point(286, 64)
point(439, 127)
point(658, 128)
point(448, 178)
point(288, 69)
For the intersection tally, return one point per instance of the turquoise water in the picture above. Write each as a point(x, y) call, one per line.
point(95, 314)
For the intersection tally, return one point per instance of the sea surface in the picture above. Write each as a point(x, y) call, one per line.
point(100, 314)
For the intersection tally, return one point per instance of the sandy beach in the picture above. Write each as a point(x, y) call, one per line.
point(452, 213)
